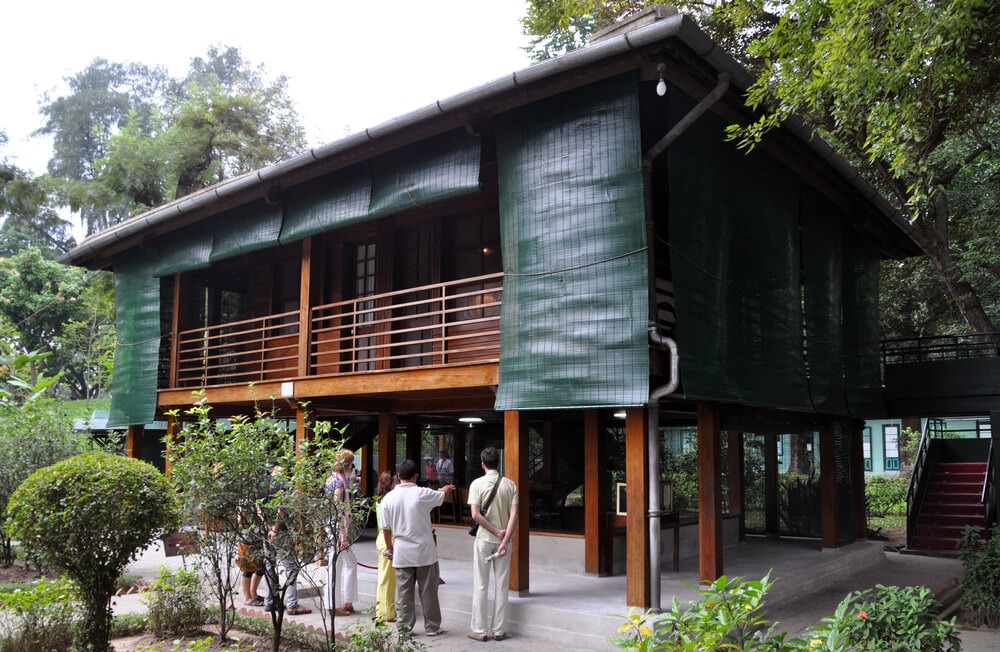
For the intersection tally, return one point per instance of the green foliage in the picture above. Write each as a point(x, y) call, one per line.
point(39, 616)
point(245, 476)
point(889, 619)
point(730, 615)
point(799, 500)
point(33, 435)
point(129, 624)
point(175, 602)
point(380, 636)
point(981, 579)
point(90, 516)
point(129, 137)
point(885, 496)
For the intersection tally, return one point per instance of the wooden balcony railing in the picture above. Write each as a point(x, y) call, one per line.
point(432, 325)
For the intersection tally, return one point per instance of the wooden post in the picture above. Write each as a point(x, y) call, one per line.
point(367, 481)
point(828, 485)
point(413, 445)
point(515, 442)
point(386, 442)
point(301, 428)
point(771, 484)
point(595, 496)
point(735, 471)
point(176, 319)
point(305, 305)
point(709, 492)
point(133, 441)
point(173, 426)
point(856, 430)
point(637, 499)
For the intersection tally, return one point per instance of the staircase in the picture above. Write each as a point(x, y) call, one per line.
point(953, 500)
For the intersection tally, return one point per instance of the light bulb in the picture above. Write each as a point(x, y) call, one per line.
point(661, 87)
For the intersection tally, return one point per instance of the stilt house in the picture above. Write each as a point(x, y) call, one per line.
point(566, 263)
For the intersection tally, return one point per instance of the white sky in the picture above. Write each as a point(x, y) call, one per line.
point(351, 64)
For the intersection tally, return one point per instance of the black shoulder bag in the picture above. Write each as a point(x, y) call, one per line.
point(474, 528)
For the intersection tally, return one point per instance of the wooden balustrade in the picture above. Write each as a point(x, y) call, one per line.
point(431, 325)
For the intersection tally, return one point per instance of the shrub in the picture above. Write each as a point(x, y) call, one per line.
point(380, 636)
point(729, 615)
point(888, 619)
point(885, 496)
point(175, 601)
point(90, 516)
point(981, 580)
point(39, 616)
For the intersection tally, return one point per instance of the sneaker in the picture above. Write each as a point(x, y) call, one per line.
point(478, 637)
point(436, 632)
point(500, 636)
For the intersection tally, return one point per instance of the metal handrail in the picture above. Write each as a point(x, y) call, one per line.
point(989, 498)
point(911, 490)
point(940, 347)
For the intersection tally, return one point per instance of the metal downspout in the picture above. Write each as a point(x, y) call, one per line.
point(653, 434)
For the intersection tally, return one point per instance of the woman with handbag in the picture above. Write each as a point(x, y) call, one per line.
point(385, 592)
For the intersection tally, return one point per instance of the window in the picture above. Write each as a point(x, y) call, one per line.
point(890, 435)
point(866, 443)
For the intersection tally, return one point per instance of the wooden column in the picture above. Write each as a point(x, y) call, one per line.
point(828, 486)
point(458, 458)
point(413, 445)
point(386, 442)
point(856, 430)
point(735, 471)
point(173, 427)
point(709, 493)
point(771, 484)
point(368, 482)
point(177, 318)
point(595, 496)
point(301, 428)
point(133, 441)
point(515, 443)
point(637, 497)
point(305, 303)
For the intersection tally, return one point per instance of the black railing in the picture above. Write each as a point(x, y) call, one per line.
point(989, 490)
point(911, 491)
point(940, 347)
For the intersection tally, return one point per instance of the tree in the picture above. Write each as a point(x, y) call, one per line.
point(907, 91)
point(90, 516)
point(229, 475)
point(38, 297)
point(129, 138)
point(26, 216)
point(911, 88)
point(34, 433)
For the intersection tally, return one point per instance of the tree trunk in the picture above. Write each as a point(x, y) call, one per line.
point(934, 243)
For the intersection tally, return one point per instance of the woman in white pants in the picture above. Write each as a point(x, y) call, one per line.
point(342, 565)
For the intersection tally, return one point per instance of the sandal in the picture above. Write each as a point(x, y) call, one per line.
point(256, 602)
point(341, 611)
point(298, 611)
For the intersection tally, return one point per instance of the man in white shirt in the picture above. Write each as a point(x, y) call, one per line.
point(409, 539)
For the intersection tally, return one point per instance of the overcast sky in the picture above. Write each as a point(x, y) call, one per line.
point(350, 65)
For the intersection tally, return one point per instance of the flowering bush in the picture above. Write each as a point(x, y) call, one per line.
point(730, 615)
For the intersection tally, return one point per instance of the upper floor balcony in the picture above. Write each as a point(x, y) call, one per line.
point(432, 325)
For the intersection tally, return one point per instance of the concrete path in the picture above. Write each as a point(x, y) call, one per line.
point(567, 611)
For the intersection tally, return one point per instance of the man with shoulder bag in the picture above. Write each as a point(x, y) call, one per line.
point(493, 502)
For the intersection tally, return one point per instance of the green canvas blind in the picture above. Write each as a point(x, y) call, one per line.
point(244, 230)
point(336, 201)
point(184, 250)
point(822, 264)
point(575, 299)
point(735, 259)
point(861, 336)
point(441, 168)
point(137, 316)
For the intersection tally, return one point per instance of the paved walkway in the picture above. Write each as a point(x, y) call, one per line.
point(568, 611)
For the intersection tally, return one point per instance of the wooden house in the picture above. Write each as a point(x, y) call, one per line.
point(562, 263)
